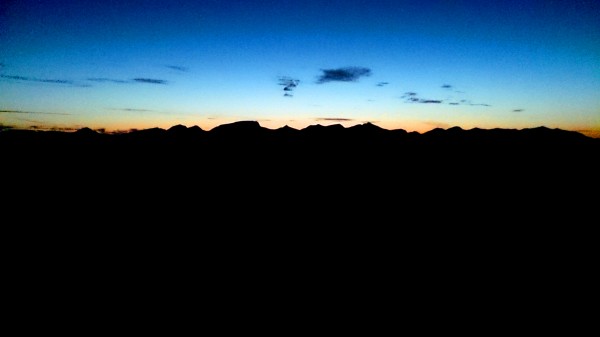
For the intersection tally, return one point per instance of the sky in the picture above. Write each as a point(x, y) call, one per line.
point(414, 65)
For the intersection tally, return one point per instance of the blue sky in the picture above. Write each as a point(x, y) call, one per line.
point(414, 65)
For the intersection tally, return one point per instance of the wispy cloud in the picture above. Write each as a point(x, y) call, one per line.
point(29, 120)
point(289, 84)
point(178, 68)
point(450, 87)
point(468, 103)
point(347, 74)
point(518, 110)
point(110, 80)
point(437, 124)
point(328, 119)
point(33, 112)
point(42, 126)
point(35, 79)
point(382, 84)
point(150, 80)
point(62, 129)
point(412, 97)
point(119, 81)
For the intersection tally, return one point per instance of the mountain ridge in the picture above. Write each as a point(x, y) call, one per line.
point(245, 126)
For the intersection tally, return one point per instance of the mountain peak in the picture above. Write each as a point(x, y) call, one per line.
point(177, 128)
point(85, 131)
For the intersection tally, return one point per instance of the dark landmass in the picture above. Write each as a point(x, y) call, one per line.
point(322, 180)
point(324, 166)
point(251, 132)
point(248, 139)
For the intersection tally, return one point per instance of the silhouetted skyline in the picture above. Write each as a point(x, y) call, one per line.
point(412, 65)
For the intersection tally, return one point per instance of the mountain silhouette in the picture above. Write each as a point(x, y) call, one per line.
point(362, 174)
point(317, 151)
point(252, 132)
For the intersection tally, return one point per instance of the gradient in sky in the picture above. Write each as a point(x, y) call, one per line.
point(413, 65)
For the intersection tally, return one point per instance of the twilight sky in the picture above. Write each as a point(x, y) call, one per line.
point(412, 65)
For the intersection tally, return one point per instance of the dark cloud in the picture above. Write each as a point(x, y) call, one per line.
point(335, 119)
point(35, 79)
point(347, 74)
point(382, 84)
point(33, 112)
point(518, 110)
point(289, 84)
point(149, 81)
point(103, 79)
point(178, 68)
point(43, 127)
point(412, 97)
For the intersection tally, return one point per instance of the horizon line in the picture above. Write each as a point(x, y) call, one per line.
point(4, 128)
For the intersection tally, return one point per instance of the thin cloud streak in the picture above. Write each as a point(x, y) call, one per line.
point(150, 81)
point(412, 97)
point(35, 79)
point(135, 80)
point(33, 112)
point(326, 119)
point(178, 68)
point(110, 80)
point(437, 124)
